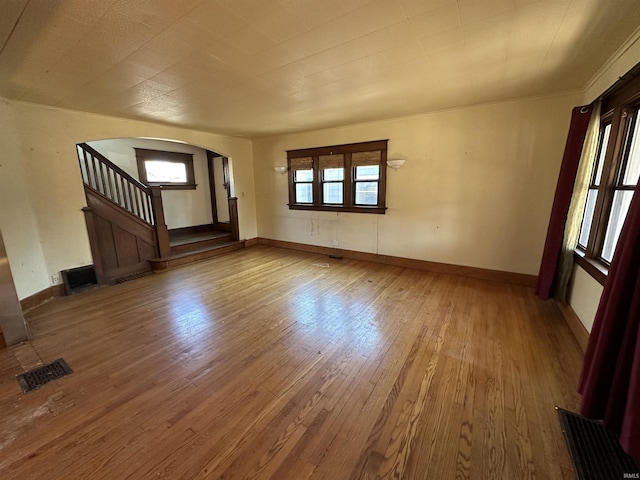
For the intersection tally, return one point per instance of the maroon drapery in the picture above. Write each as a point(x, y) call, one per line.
point(564, 189)
point(610, 380)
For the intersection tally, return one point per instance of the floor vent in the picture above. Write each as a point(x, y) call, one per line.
point(39, 376)
point(133, 277)
point(594, 450)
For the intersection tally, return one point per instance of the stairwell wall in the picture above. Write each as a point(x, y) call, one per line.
point(42, 194)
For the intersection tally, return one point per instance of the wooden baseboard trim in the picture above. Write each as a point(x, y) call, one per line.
point(251, 242)
point(436, 267)
point(576, 326)
point(42, 297)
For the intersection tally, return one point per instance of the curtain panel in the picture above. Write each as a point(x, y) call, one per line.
point(580, 117)
point(610, 379)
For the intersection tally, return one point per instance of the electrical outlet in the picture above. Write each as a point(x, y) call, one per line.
point(55, 278)
point(335, 243)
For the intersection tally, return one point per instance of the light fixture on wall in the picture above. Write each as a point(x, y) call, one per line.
point(396, 163)
point(280, 169)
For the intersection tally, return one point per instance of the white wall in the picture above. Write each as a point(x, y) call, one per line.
point(46, 232)
point(222, 204)
point(18, 221)
point(182, 208)
point(584, 296)
point(476, 189)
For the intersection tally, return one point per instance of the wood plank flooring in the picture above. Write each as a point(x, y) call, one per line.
point(270, 363)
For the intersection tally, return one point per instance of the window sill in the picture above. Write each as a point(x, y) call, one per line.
point(336, 208)
point(173, 186)
point(597, 270)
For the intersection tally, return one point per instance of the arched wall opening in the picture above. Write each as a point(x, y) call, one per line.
point(204, 205)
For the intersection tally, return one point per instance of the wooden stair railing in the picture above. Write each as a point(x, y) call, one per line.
point(104, 179)
point(111, 181)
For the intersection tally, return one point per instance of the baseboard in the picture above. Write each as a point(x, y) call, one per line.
point(576, 326)
point(251, 242)
point(436, 267)
point(42, 297)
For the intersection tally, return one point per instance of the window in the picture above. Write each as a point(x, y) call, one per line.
point(171, 170)
point(614, 179)
point(348, 178)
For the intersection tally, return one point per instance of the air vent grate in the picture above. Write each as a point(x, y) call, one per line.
point(39, 376)
point(595, 451)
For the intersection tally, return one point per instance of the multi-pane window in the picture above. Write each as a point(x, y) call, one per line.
point(614, 179)
point(594, 185)
point(302, 173)
point(339, 178)
point(623, 187)
point(332, 178)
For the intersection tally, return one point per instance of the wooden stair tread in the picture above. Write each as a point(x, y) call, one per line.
point(204, 249)
point(185, 239)
point(184, 258)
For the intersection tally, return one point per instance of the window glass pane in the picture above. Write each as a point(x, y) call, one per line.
point(588, 217)
point(366, 192)
point(303, 176)
point(165, 172)
point(333, 174)
point(332, 192)
point(368, 172)
point(633, 162)
point(603, 151)
point(304, 193)
point(621, 201)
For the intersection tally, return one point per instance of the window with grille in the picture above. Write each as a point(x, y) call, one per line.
point(348, 177)
point(615, 176)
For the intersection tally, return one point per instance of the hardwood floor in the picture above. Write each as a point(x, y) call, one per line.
point(269, 363)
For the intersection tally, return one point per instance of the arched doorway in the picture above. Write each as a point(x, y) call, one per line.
point(153, 204)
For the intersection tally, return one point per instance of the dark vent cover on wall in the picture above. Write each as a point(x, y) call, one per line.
point(595, 451)
point(79, 279)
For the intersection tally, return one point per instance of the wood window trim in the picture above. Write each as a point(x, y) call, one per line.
point(144, 154)
point(348, 183)
point(618, 104)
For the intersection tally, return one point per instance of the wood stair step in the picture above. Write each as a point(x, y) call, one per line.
point(201, 242)
point(184, 258)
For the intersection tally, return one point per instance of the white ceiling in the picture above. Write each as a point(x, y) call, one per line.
point(258, 67)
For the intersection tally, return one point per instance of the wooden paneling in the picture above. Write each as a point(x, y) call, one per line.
point(121, 244)
point(281, 364)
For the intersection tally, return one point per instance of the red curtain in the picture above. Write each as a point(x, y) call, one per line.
point(610, 380)
point(564, 189)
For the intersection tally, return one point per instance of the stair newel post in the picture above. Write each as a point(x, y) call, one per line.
point(162, 233)
point(233, 217)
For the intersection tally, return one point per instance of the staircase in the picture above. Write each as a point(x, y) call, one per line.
point(192, 245)
point(126, 226)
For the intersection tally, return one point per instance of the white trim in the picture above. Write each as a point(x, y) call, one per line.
point(629, 42)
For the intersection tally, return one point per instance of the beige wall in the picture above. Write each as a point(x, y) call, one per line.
point(476, 189)
point(40, 214)
point(18, 221)
point(182, 208)
point(584, 296)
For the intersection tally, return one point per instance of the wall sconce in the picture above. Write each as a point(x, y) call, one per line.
point(280, 169)
point(396, 163)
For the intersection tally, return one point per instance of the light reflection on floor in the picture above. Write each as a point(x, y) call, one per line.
point(332, 317)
